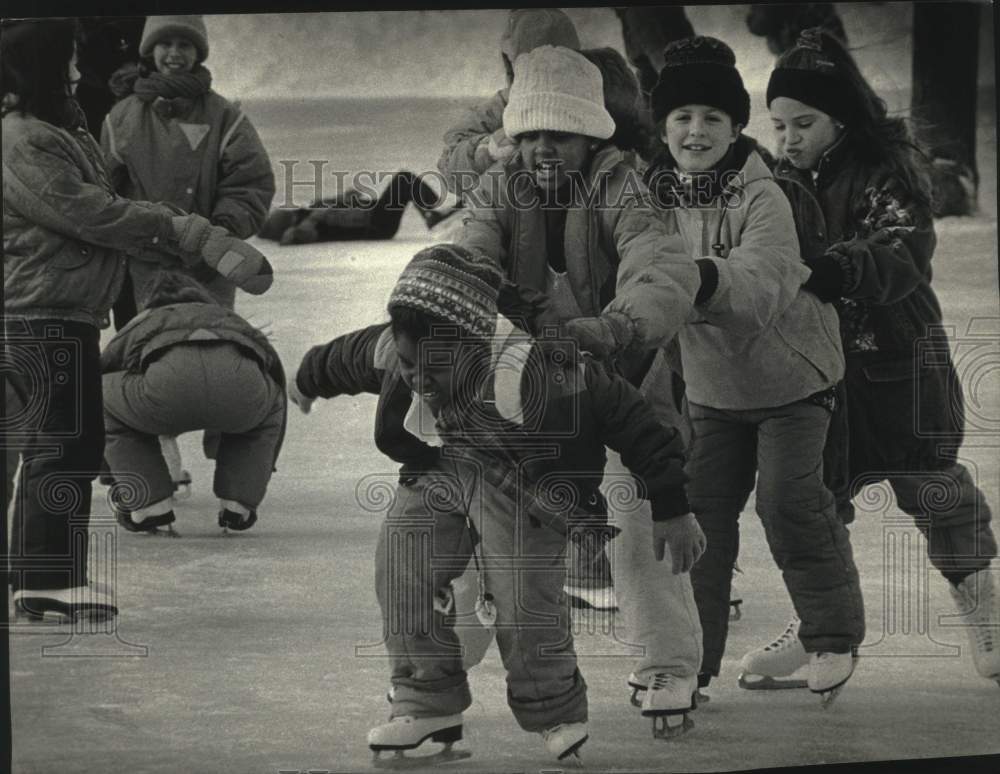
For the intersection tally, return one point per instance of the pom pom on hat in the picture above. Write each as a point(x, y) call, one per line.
point(700, 71)
point(159, 27)
point(451, 284)
point(556, 89)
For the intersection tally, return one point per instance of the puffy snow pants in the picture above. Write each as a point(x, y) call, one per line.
point(783, 446)
point(195, 386)
point(424, 544)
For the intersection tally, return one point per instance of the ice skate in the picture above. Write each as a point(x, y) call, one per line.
point(668, 700)
point(782, 664)
point(159, 524)
point(92, 602)
point(236, 521)
point(592, 597)
point(828, 672)
point(407, 733)
point(564, 741)
point(977, 600)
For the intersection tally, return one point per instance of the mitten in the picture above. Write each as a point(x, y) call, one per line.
point(233, 258)
point(501, 147)
point(827, 279)
point(604, 336)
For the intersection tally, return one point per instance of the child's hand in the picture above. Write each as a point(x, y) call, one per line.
point(603, 336)
point(500, 146)
point(295, 396)
point(685, 538)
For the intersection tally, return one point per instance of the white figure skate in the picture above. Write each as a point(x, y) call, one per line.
point(593, 597)
point(977, 600)
point(828, 672)
point(564, 741)
point(782, 664)
point(407, 733)
point(667, 699)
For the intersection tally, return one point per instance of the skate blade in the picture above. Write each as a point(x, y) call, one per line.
point(668, 727)
point(828, 697)
point(400, 761)
point(167, 531)
point(572, 760)
point(61, 618)
point(768, 683)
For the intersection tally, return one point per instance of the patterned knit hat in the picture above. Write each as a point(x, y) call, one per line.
point(452, 284)
point(159, 27)
point(700, 71)
point(529, 28)
point(557, 90)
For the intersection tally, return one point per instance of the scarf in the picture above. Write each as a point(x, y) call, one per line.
point(172, 95)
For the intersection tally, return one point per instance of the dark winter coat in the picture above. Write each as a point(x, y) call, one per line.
point(530, 404)
point(904, 401)
point(65, 232)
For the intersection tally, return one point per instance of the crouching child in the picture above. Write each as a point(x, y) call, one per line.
point(187, 363)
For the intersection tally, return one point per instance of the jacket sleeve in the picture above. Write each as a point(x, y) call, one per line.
point(890, 255)
point(486, 221)
point(460, 163)
point(246, 182)
point(117, 171)
point(653, 453)
point(344, 366)
point(762, 274)
point(43, 182)
point(657, 280)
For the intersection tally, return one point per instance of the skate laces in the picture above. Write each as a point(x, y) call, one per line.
point(661, 680)
point(787, 638)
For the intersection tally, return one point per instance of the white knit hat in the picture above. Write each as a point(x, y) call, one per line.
point(557, 90)
point(159, 27)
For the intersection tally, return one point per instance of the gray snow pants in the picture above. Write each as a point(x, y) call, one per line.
point(196, 386)
point(424, 544)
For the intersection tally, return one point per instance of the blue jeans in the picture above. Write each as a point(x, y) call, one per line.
point(809, 542)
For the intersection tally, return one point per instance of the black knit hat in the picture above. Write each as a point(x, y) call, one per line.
point(807, 74)
point(700, 71)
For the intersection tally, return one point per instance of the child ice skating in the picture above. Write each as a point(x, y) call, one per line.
point(66, 240)
point(478, 139)
point(177, 141)
point(761, 358)
point(186, 363)
point(861, 201)
point(490, 398)
point(567, 216)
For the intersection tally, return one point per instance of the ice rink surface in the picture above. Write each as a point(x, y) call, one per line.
point(259, 652)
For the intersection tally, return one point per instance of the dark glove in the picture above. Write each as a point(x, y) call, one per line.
point(709, 274)
point(604, 336)
point(827, 279)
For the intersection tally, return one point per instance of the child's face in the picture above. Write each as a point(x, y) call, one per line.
point(803, 133)
point(698, 136)
point(175, 54)
point(428, 367)
point(553, 156)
